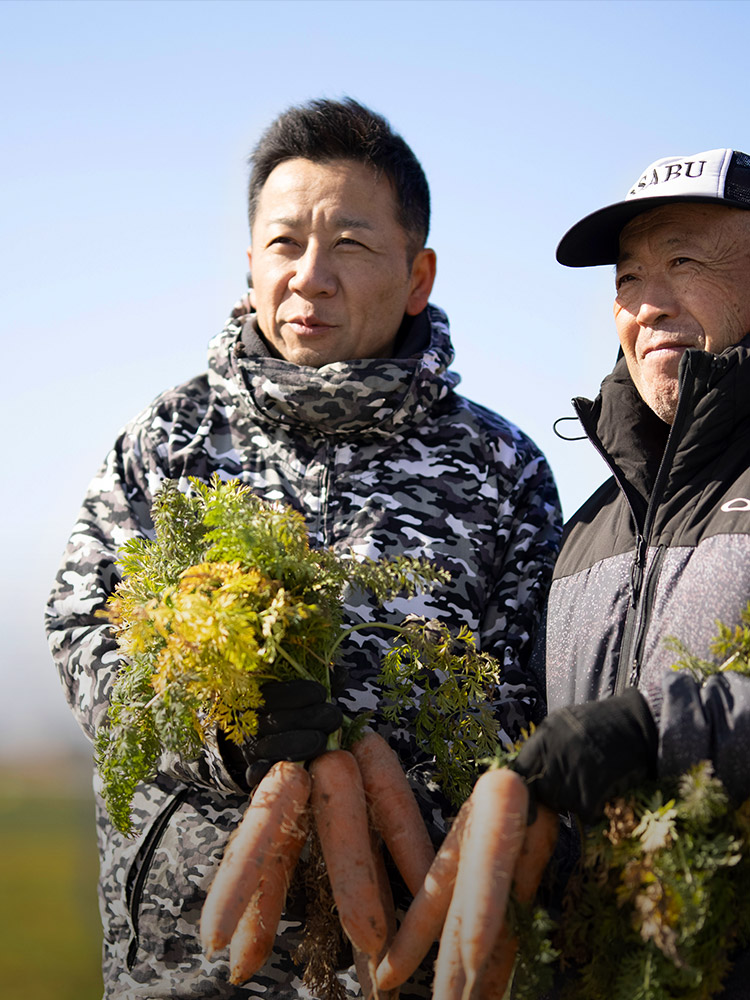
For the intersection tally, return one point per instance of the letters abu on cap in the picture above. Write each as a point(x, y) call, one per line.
point(718, 175)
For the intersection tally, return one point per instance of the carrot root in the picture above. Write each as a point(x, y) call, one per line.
point(490, 847)
point(500, 966)
point(426, 915)
point(254, 936)
point(340, 812)
point(271, 819)
point(367, 965)
point(394, 810)
point(538, 845)
point(450, 978)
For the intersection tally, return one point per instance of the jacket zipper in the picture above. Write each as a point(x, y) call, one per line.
point(639, 560)
point(641, 598)
point(647, 607)
point(639, 615)
point(325, 493)
point(141, 867)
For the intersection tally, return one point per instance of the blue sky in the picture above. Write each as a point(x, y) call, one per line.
point(126, 128)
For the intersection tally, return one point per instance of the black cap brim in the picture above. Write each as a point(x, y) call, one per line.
point(596, 238)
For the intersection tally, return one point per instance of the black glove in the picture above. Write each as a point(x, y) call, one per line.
point(582, 756)
point(294, 723)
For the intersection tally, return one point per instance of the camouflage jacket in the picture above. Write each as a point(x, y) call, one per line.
point(382, 457)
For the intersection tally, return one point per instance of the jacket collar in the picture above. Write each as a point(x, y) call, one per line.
point(371, 397)
point(714, 397)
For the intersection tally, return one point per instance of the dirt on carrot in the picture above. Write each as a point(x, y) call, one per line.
point(465, 893)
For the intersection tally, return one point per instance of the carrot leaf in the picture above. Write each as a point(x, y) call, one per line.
point(228, 594)
point(450, 686)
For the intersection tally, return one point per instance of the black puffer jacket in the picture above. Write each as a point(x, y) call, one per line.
point(662, 549)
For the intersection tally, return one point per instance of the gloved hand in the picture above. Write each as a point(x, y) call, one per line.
point(293, 724)
point(581, 756)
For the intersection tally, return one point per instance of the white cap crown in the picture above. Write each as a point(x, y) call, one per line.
point(700, 175)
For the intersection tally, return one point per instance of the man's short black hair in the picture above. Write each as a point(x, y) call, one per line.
point(324, 130)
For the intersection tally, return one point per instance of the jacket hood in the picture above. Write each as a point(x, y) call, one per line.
point(374, 397)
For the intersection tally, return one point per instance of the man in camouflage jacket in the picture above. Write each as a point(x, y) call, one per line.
point(361, 429)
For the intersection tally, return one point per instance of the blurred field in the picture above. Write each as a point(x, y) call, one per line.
point(50, 936)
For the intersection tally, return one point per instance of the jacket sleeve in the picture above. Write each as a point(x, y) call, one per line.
point(709, 721)
point(529, 532)
point(115, 509)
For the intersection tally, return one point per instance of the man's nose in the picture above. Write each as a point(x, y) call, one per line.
point(658, 300)
point(313, 273)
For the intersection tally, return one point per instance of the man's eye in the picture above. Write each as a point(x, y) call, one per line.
point(281, 241)
point(347, 241)
point(623, 279)
point(683, 260)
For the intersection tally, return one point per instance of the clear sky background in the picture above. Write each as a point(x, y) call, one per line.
point(126, 126)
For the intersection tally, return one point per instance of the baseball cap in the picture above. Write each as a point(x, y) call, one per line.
point(718, 176)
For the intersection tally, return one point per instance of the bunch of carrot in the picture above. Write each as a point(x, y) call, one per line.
point(346, 795)
point(463, 899)
point(229, 593)
point(460, 893)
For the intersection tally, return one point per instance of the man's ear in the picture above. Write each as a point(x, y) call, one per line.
point(423, 272)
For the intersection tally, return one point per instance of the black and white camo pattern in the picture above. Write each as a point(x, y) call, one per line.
point(382, 457)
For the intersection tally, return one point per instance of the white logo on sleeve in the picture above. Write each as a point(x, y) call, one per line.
point(739, 503)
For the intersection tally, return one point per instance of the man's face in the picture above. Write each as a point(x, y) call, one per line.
point(330, 263)
point(683, 280)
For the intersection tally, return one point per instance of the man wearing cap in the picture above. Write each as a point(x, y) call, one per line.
point(662, 549)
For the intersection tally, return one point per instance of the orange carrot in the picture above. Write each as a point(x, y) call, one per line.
point(384, 887)
point(538, 845)
point(499, 967)
point(270, 820)
point(254, 936)
point(450, 979)
point(394, 810)
point(424, 919)
point(340, 811)
point(361, 961)
point(490, 846)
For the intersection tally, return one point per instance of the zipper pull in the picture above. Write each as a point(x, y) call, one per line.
point(635, 673)
point(636, 570)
